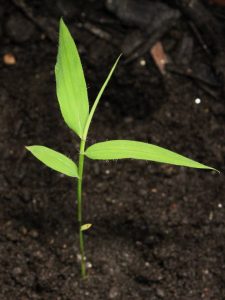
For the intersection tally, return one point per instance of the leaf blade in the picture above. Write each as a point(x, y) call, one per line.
point(71, 87)
point(121, 149)
point(89, 119)
point(54, 160)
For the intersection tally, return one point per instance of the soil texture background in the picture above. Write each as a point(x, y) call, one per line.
point(158, 230)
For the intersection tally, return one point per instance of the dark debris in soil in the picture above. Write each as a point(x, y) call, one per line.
point(158, 230)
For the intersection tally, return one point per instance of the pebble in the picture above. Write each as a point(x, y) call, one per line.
point(113, 293)
point(142, 62)
point(19, 29)
point(23, 230)
point(34, 234)
point(9, 59)
point(17, 271)
point(160, 293)
point(88, 265)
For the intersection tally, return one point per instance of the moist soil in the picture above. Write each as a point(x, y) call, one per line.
point(158, 230)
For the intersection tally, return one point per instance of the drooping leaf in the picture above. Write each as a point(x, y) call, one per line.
point(119, 149)
point(54, 160)
point(99, 97)
point(70, 82)
point(85, 227)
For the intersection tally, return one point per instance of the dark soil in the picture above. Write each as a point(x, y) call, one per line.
point(158, 230)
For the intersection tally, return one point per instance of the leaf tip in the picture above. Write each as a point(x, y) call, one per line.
point(85, 227)
point(61, 22)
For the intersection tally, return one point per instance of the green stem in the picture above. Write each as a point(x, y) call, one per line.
point(79, 204)
point(81, 167)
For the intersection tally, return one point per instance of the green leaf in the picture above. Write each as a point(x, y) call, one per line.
point(99, 97)
point(54, 160)
point(119, 149)
point(70, 83)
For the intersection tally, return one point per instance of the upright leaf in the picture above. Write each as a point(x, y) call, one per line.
point(54, 160)
point(70, 82)
point(99, 97)
point(119, 149)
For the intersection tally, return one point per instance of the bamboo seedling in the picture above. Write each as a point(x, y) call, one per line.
point(72, 96)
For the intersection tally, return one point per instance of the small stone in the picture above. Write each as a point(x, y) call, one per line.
point(206, 272)
point(23, 230)
point(9, 59)
point(113, 293)
point(210, 216)
point(147, 264)
point(38, 254)
point(19, 29)
point(34, 233)
point(79, 257)
point(17, 271)
point(143, 62)
point(88, 265)
point(160, 293)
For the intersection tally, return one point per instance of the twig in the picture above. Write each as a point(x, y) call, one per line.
point(40, 22)
point(93, 29)
point(200, 38)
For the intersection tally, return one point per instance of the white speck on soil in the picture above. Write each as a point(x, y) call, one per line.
point(78, 257)
point(88, 265)
point(142, 62)
point(197, 101)
point(147, 264)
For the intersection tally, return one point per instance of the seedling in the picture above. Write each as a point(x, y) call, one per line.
point(73, 101)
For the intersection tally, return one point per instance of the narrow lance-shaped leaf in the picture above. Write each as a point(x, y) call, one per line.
point(99, 97)
point(70, 83)
point(54, 160)
point(119, 149)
